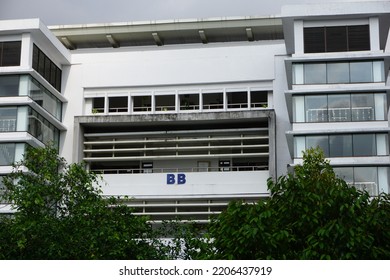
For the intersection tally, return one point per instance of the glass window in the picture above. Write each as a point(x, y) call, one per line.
point(299, 109)
point(9, 85)
point(142, 103)
point(345, 173)
point(46, 68)
point(361, 72)
point(380, 106)
point(338, 73)
point(364, 145)
point(237, 100)
point(213, 101)
point(8, 116)
point(10, 53)
point(315, 73)
point(382, 145)
point(316, 108)
point(362, 107)
point(314, 39)
point(359, 37)
point(298, 73)
point(300, 146)
point(189, 101)
point(366, 178)
point(98, 105)
point(259, 99)
point(340, 145)
point(318, 141)
point(7, 153)
point(44, 98)
point(339, 108)
point(42, 129)
point(336, 39)
point(117, 104)
point(165, 102)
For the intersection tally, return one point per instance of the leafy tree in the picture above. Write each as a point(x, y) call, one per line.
point(311, 214)
point(61, 214)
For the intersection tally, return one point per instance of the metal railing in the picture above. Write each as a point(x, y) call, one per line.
point(7, 125)
point(340, 114)
point(178, 170)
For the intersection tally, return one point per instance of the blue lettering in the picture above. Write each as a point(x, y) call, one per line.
point(181, 179)
point(171, 179)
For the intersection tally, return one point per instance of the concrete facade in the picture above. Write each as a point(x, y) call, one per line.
point(187, 115)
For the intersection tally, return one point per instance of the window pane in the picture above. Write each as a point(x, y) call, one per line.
point(345, 173)
point(364, 145)
point(315, 73)
point(336, 39)
point(9, 85)
point(380, 106)
point(339, 108)
point(359, 38)
point(361, 72)
point(362, 107)
point(318, 141)
point(366, 178)
point(237, 100)
point(8, 118)
point(340, 145)
point(300, 145)
point(299, 109)
point(7, 154)
point(213, 101)
point(165, 103)
point(338, 73)
point(189, 102)
point(142, 103)
point(11, 53)
point(316, 108)
point(117, 104)
point(314, 39)
point(98, 105)
point(259, 99)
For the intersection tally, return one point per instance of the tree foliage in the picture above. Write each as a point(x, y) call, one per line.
point(61, 214)
point(311, 214)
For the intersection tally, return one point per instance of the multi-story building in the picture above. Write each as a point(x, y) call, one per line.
point(187, 115)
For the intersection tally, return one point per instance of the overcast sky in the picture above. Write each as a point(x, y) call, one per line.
point(57, 12)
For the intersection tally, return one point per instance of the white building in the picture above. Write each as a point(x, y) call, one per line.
point(186, 115)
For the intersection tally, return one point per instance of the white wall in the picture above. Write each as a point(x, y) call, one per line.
point(197, 184)
point(134, 67)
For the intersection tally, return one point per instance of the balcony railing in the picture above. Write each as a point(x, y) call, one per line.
point(178, 170)
point(7, 125)
point(340, 114)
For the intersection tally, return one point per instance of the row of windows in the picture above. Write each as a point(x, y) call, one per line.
point(338, 72)
point(336, 38)
point(22, 85)
point(24, 118)
point(48, 70)
point(344, 145)
point(340, 107)
point(10, 53)
point(181, 102)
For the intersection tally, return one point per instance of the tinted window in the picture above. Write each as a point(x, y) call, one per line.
point(10, 53)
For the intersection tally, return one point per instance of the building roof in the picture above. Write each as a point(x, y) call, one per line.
point(166, 32)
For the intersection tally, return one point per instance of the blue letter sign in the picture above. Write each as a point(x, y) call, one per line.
point(181, 179)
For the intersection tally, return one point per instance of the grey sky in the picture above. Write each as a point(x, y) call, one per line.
point(56, 12)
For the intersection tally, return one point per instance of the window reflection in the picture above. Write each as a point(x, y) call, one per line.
point(340, 72)
point(340, 107)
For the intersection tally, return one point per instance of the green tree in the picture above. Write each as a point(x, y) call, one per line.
point(310, 214)
point(61, 214)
